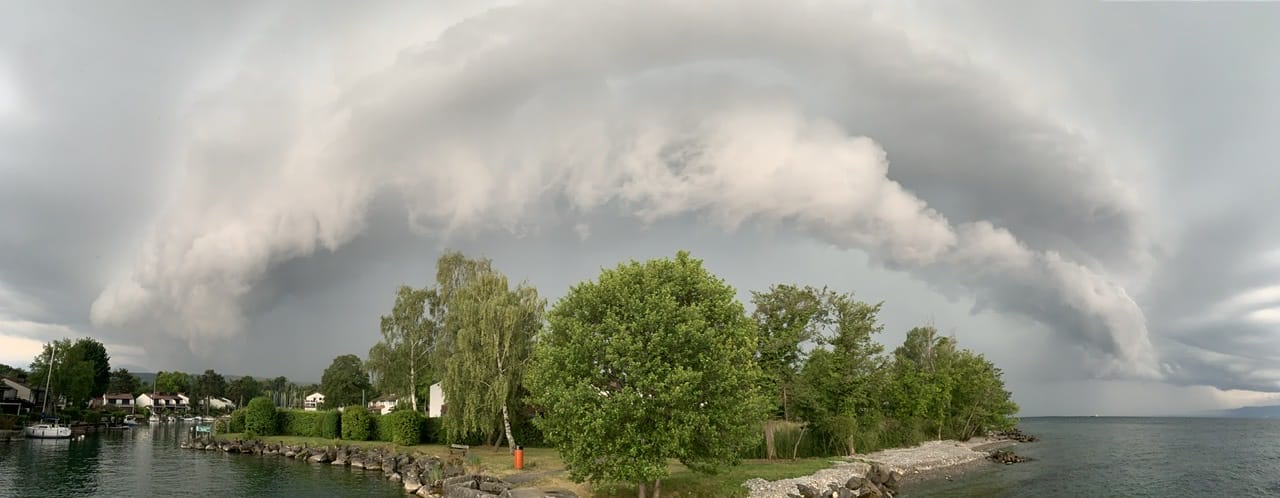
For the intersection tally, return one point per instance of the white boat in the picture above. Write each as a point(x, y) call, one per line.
point(155, 419)
point(190, 419)
point(48, 431)
point(130, 420)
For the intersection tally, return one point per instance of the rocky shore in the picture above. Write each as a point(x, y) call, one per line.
point(930, 459)
point(421, 475)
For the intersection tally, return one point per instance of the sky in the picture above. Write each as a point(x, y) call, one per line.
point(1080, 191)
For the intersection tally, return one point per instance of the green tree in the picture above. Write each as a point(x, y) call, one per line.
point(345, 382)
point(279, 388)
point(786, 317)
point(260, 417)
point(243, 388)
point(208, 385)
point(8, 371)
point(651, 361)
point(95, 353)
point(839, 382)
point(172, 382)
point(401, 362)
point(72, 376)
point(124, 382)
point(492, 327)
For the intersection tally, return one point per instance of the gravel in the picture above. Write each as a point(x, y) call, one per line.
point(923, 458)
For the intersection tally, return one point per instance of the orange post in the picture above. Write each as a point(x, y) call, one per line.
point(519, 457)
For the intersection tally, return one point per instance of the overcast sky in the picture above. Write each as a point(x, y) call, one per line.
point(1083, 192)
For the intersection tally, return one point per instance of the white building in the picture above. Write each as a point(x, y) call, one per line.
point(162, 402)
point(221, 404)
point(435, 403)
point(120, 401)
point(313, 402)
point(384, 404)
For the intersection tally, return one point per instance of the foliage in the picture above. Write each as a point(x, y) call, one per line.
point(357, 424)
point(786, 317)
point(401, 361)
point(650, 362)
point(260, 417)
point(243, 388)
point(404, 427)
point(208, 385)
point(431, 430)
point(345, 382)
point(301, 422)
point(172, 382)
point(72, 375)
point(237, 421)
point(837, 397)
point(331, 426)
point(490, 329)
point(92, 351)
point(8, 371)
point(124, 382)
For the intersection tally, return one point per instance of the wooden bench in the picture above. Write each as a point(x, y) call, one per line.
point(458, 449)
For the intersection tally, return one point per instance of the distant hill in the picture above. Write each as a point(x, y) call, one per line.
point(1272, 411)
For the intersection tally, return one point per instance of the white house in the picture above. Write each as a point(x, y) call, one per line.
point(313, 402)
point(384, 404)
point(435, 403)
point(162, 401)
point(217, 403)
point(120, 401)
point(17, 397)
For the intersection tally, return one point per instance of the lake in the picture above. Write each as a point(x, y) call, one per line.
point(147, 462)
point(1131, 457)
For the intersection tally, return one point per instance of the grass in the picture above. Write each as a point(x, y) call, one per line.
point(545, 463)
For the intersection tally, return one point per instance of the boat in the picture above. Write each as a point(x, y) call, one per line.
point(130, 420)
point(48, 431)
point(155, 419)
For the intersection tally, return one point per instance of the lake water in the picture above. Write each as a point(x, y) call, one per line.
point(1131, 457)
point(147, 462)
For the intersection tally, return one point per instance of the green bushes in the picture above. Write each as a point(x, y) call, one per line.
point(260, 417)
point(357, 424)
point(402, 427)
point(302, 423)
point(381, 432)
point(237, 421)
point(331, 425)
point(430, 432)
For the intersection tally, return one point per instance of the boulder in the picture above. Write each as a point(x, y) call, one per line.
point(356, 462)
point(855, 482)
point(895, 479)
point(411, 482)
point(808, 491)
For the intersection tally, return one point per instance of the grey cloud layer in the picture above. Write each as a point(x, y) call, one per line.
point(736, 112)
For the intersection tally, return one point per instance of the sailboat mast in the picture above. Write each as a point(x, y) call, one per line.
point(48, 380)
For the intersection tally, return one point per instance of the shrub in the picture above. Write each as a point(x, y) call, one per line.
point(260, 417)
point(331, 425)
point(357, 424)
point(430, 432)
point(249, 435)
point(404, 427)
point(220, 426)
point(237, 421)
point(301, 423)
point(382, 432)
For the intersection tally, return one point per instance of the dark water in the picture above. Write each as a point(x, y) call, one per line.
point(1130, 457)
point(148, 462)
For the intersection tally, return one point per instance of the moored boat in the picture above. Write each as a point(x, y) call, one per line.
point(48, 431)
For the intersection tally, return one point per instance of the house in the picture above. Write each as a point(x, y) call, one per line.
point(313, 402)
point(162, 402)
point(16, 397)
point(116, 401)
point(435, 402)
point(219, 403)
point(384, 404)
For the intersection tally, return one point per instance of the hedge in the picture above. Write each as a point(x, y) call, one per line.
point(430, 432)
point(301, 423)
point(401, 427)
point(260, 417)
point(331, 425)
point(357, 424)
point(237, 421)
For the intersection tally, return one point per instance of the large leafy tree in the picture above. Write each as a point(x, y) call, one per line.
point(837, 392)
point(786, 318)
point(492, 329)
point(401, 361)
point(345, 382)
point(208, 385)
point(172, 382)
point(72, 375)
point(124, 382)
point(650, 362)
point(243, 389)
point(8, 371)
point(92, 351)
point(279, 388)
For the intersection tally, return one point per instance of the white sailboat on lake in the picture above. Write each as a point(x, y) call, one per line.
point(45, 430)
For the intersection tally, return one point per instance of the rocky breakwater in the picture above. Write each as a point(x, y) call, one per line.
point(421, 475)
point(880, 482)
point(1014, 435)
point(1006, 457)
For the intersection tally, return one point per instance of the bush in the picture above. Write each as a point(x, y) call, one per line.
point(221, 426)
point(237, 421)
point(381, 431)
point(430, 432)
point(331, 425)
point(260, 417)
point(301, 423)
point(401, 427)
point(357, 424)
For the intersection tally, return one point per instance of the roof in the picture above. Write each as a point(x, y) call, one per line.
point(118, 396)
point(15, 381)
point(314, 394)
point(386, 397)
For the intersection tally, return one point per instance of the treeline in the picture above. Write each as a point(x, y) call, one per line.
point(658, 360)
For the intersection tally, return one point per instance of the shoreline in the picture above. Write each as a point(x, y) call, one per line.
point(926, 461)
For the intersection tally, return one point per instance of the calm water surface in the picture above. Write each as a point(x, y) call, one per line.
point(1136, 457)
point(147, 462)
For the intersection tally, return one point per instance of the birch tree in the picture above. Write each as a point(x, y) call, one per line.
point(491, 328)
point(402, 360)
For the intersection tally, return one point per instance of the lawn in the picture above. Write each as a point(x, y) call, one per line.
point(543, 468)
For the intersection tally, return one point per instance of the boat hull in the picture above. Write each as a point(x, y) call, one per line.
point(48, 432)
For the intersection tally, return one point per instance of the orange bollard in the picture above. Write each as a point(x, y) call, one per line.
point(519, 457)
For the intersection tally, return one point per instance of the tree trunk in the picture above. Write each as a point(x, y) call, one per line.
point(657, 488)
point(498, 443)
point(796, 449)
point(640, 491)
point(413, 385)
point(786, 411)
point(506, 424)
point(770, 452)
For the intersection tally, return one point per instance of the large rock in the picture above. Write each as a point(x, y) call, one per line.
point(808, 491)
point(460, 492)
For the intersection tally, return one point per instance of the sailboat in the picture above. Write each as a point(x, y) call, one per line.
point(46, 430)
